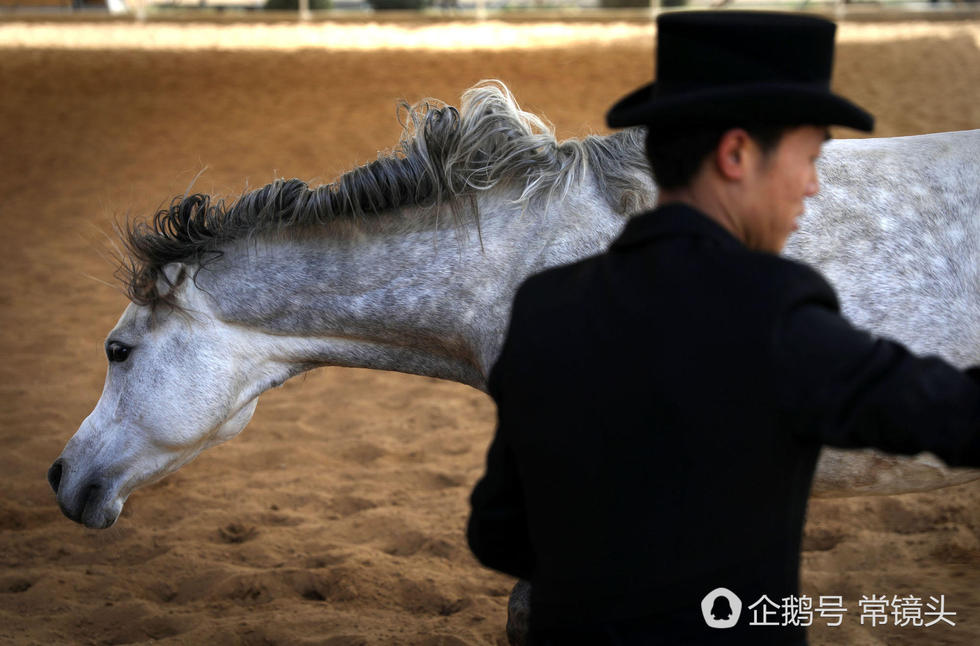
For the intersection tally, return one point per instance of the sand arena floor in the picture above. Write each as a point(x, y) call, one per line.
point(337, 517)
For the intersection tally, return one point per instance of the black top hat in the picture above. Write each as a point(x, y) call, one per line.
point(728, 68)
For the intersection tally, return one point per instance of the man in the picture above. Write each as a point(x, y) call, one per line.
point(661, 406)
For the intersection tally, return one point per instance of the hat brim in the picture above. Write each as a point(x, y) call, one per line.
point(769, 103)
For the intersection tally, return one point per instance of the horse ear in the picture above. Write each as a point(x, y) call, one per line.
point(173, 275)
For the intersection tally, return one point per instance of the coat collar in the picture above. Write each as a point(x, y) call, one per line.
point(671, 220)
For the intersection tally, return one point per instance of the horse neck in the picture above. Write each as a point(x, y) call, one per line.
point(433, 301)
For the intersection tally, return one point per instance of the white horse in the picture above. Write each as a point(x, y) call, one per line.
point(410, 263)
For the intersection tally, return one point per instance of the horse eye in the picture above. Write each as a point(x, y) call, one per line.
point(117, 352)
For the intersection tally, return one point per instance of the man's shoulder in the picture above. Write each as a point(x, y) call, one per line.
point(750, 273)
point(791, 278)
point(556, 284)
point(783, 269)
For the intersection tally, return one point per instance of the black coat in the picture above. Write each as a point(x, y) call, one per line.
point(661, 408)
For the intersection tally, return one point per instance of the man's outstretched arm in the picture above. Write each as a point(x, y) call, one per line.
point(848, 389)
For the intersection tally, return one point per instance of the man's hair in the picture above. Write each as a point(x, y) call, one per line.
point(676, 157)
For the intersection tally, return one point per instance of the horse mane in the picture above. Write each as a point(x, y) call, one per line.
point(443, 154)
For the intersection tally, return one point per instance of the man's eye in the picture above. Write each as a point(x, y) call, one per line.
point(117, 352)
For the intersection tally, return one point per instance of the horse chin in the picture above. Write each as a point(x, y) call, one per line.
point(102, 517)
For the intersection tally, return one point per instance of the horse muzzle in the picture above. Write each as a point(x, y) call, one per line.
point(86, 502)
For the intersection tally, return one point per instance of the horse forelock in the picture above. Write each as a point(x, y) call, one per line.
point(443, 154)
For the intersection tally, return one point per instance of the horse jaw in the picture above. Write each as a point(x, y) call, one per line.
point(93, 492)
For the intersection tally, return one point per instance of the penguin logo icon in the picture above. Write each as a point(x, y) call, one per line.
point(721, 608)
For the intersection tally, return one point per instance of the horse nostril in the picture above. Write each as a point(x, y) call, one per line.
point(54, 475)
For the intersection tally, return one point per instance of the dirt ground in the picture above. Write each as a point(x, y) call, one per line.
point(337, 517)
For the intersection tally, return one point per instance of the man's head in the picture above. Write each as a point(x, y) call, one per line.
point(754, 179)
point(724, 112)
point(675, 158)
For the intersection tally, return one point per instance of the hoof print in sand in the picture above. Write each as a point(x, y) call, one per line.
point(236, 533)
point(17, 586)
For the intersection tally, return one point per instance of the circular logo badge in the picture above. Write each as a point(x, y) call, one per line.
point(721, 608)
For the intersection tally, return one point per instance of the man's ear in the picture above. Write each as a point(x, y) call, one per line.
point(733, 154)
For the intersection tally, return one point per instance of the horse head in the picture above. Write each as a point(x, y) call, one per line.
point(179, 380)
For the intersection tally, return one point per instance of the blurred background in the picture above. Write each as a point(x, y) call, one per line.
point(315, 7)
point(337, 516)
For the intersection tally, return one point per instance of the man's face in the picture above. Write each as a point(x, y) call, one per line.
point(778, 184)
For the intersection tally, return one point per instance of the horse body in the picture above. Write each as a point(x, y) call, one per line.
point(410, 264)
point(896, 230)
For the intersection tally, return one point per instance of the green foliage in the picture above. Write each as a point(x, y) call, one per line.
point(623, 4)
point(293, 5)
point(404, 5)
